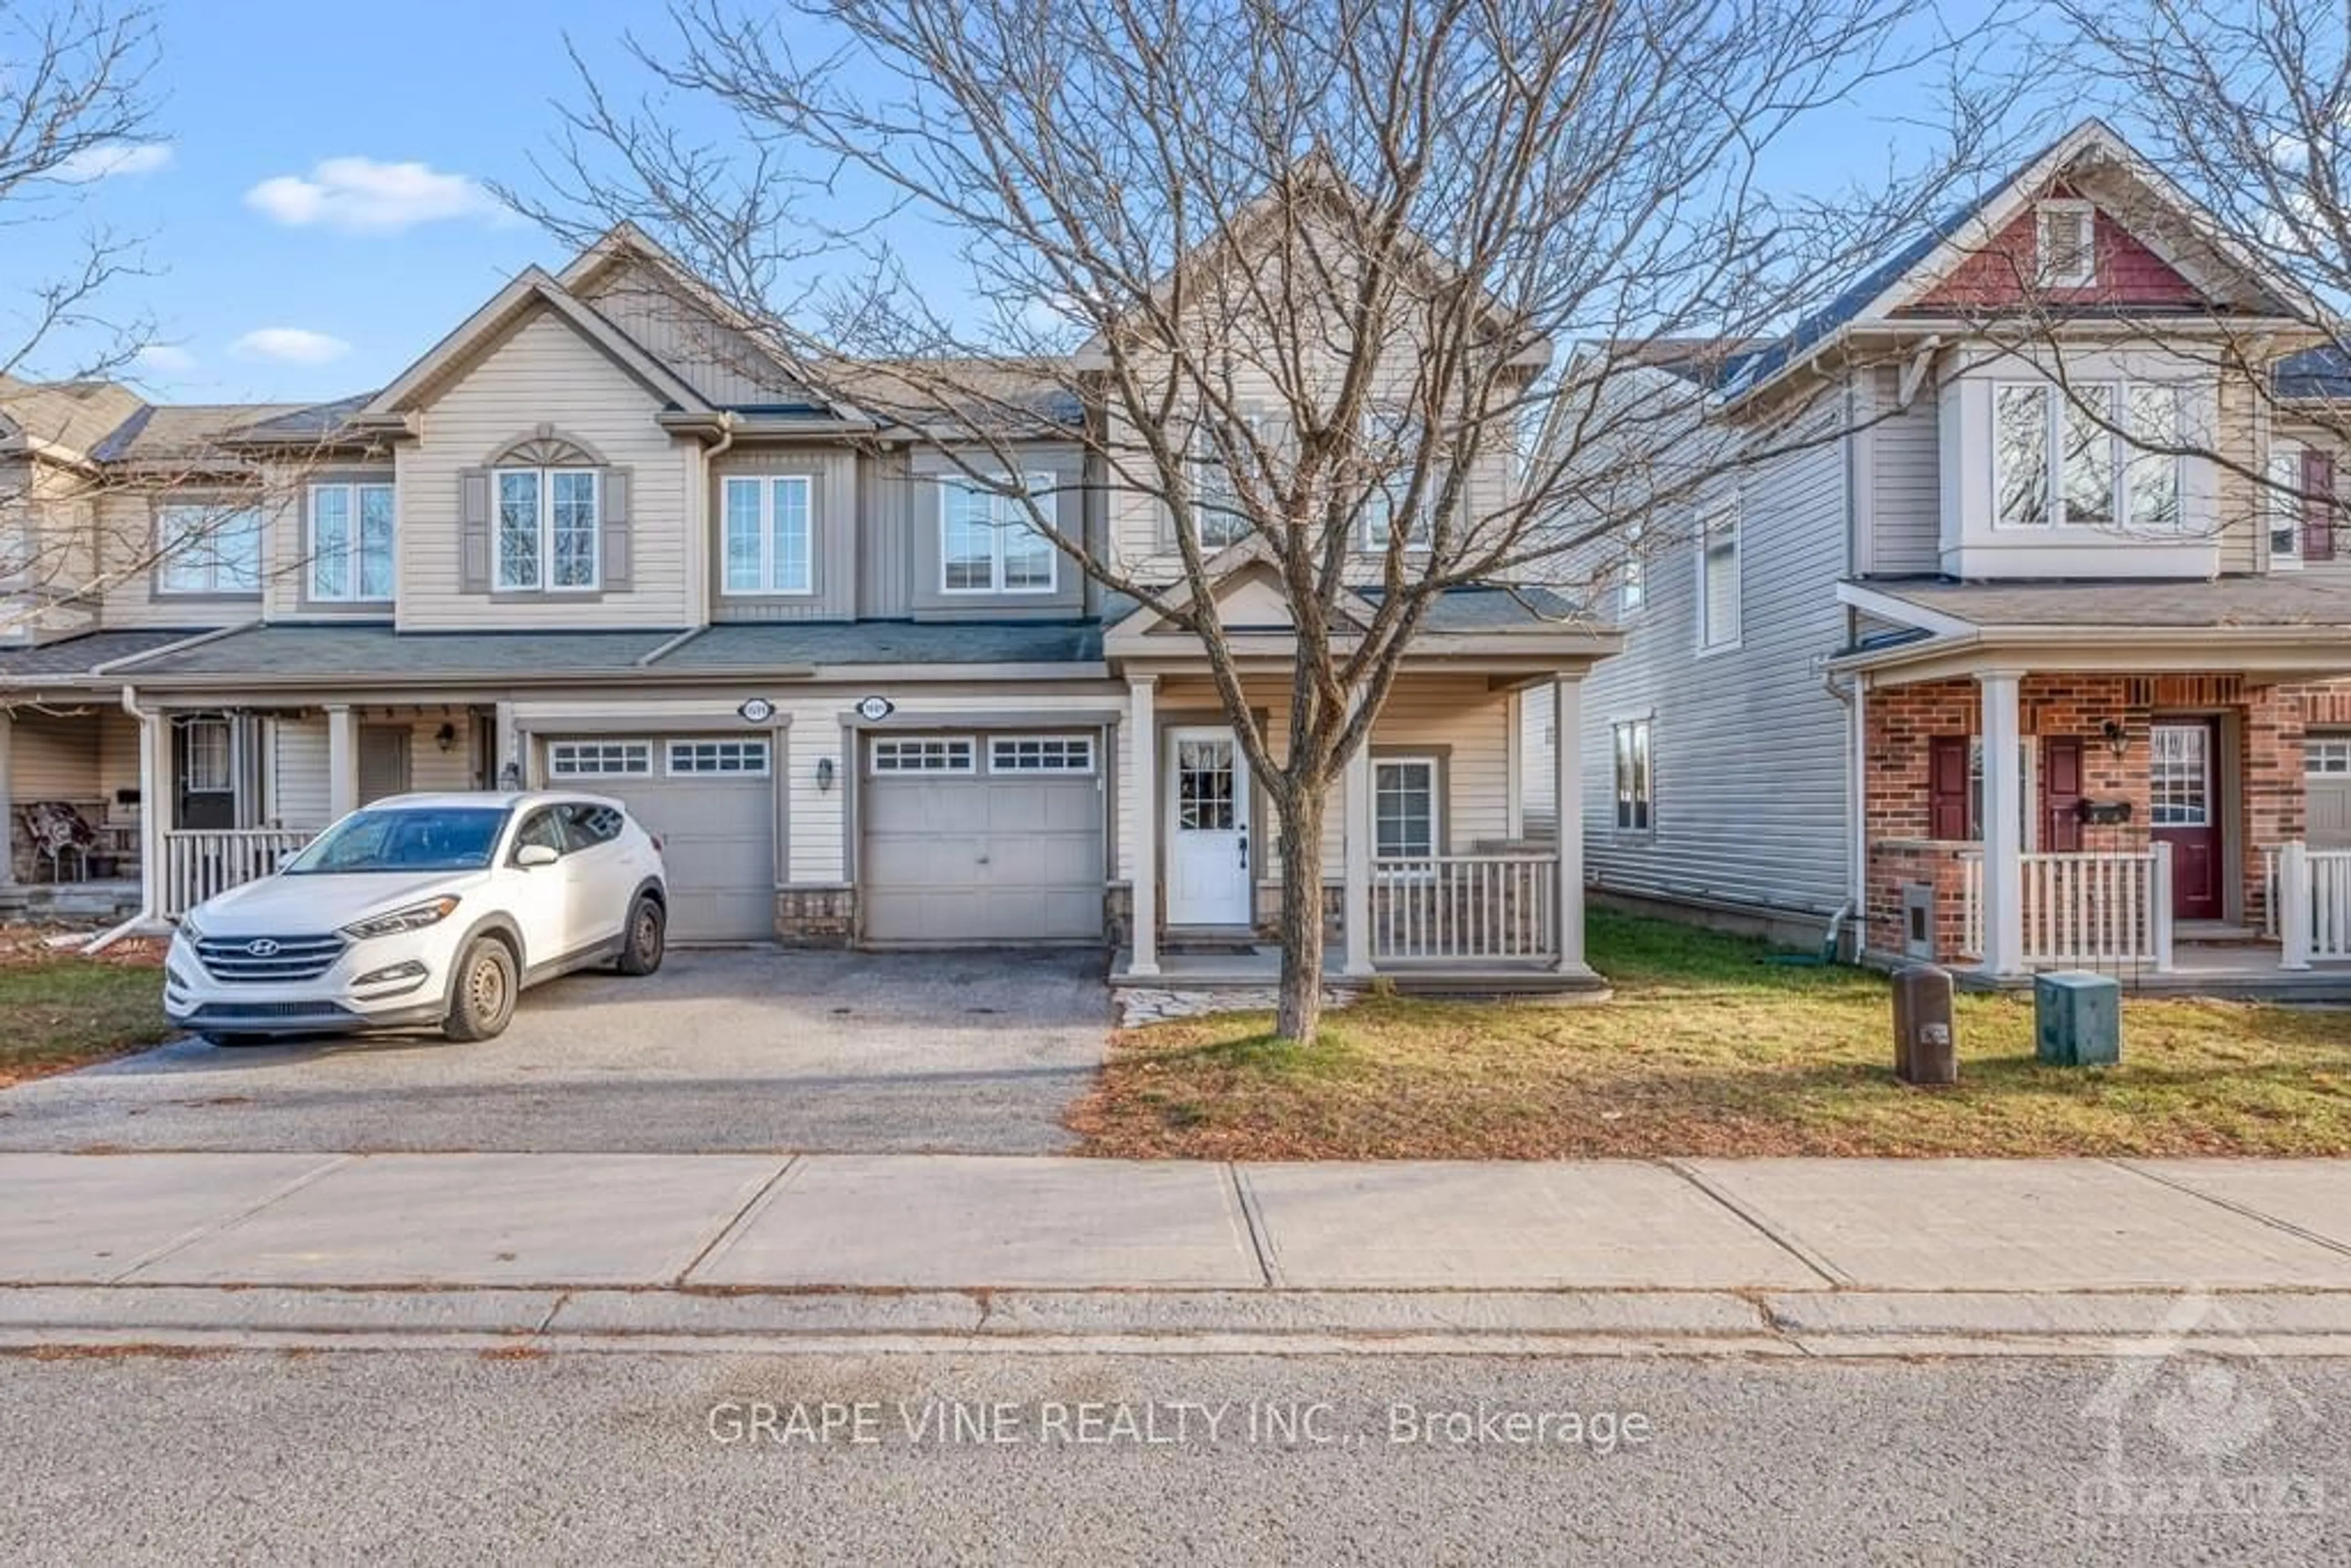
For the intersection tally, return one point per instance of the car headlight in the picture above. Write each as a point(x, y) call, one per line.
point(190, 929)
point(416, 917)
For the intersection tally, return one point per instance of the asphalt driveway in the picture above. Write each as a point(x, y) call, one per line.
point(723, 1051)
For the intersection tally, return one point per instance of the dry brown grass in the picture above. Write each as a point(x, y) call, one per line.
point(1707, 1051)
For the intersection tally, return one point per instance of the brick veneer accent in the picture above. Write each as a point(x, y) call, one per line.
point(816, 916)
point(1902, 720)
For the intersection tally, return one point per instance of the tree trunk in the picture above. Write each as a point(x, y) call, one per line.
point(1300, 1008)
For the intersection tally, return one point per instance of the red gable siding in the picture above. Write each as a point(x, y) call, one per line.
point(2128, 273)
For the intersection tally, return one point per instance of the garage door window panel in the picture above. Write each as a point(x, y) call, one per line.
point(1056, 754)
point(600, 759)
point(926, 754)
point(724, 758)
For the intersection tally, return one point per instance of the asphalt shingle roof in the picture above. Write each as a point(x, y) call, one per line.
point(378, 651)
point(2311, 599)
point(79, 655)
point(743, 645)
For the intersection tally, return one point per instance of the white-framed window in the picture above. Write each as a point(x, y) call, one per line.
point(205, 764)
point(547, 531)
point(1635, 800)
point(208, 549)
point(2180, 776)
point(989, 543)
point(1632, 573)
point(2326, 755)
point(926, 754)
point(600, 759)
point(1405, 808)
point(1217, 520)
point(1395, 440)
point(2282, 500)
point(1041, 754)
point(770, 545)
point(737, 759)
point(2058, 460)
point(1718, 577)
point(350, 542)
point(2066, 237)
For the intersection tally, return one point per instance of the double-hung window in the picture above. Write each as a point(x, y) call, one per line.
point(2088, 455)
point(2282, 499)
point(208, 549)
point(1395, 443)
point(989, 543)
point(549, 530)
point(1718, 565)
point(1405, 808)
point(769, 539)
point(350, 542)
point(1217, 520)
point(1635, 801)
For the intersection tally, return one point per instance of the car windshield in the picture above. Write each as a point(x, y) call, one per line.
point(416, 838)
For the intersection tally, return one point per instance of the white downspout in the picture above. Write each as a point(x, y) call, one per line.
point(1857, 854)
point(150, 845)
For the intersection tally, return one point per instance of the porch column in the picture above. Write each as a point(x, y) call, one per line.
point(2003, 825)
point(8, 805)
point(155, 811)
point(1566, 800)
point(1355, 920)
point(1142, 790)
point(342, 762)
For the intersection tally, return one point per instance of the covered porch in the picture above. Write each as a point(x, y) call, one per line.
point(1427, 879)
point(2036, 801)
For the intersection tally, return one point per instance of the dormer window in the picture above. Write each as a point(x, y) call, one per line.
point(2068, 235)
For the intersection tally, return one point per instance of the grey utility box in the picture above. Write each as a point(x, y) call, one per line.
point(1926, 1049)
point(2077, 1018)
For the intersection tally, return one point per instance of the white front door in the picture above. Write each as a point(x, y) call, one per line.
point(1208, 829)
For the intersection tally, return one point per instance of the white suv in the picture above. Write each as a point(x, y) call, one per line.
point(422, 910)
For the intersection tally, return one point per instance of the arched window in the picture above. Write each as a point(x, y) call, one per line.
point(548, 515)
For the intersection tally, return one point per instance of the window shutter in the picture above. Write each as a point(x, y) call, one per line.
point(2317, 506)
point(1947, 788)
point(616, 528)
point(473, 530)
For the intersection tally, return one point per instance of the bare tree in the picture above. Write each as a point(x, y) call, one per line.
point(1309, 269)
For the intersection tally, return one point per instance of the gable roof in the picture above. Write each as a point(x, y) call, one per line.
point(71, 416)
point(1951, 240)
point(532, 289)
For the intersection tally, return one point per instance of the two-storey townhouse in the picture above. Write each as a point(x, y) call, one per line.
point(599, 537)
point(2018, 663)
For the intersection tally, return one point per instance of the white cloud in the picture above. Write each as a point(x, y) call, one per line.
point(359, 196)
point(289, 345)
point(166, 358)
point(114, 158)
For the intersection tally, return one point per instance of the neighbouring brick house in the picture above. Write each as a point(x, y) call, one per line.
point(1963, 665)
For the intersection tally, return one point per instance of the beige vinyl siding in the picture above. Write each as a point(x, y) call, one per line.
point(118, 761)
point(544, 373)
point(1905, 496)
point(833, 541)
point(58, 517)
point(1456, 719)
point(53, 758)
point(718, 361)
point(886, 511)
point(1748, 750)
point(126, 536)
point(2244, 532)
point(300, 795)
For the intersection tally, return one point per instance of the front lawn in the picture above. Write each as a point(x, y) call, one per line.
point(1707, 1051)
point(59, 1012)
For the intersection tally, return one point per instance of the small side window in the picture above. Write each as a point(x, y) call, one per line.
point(587, 824)
point(542, 827)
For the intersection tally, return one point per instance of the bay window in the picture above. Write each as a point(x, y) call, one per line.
point(770, 545)
point(351, 542)
point(549, 528)
point(208, 549)
point(2076, 456)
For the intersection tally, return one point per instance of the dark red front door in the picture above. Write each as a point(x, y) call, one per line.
point(2183, 790)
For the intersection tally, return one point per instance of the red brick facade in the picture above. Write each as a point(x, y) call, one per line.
point(2261, 754)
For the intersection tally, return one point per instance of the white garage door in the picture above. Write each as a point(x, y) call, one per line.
point(981, 839)
point(712, 803)
point(2327, 758)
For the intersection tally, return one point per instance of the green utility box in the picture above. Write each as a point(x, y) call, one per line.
point(2077, 1018)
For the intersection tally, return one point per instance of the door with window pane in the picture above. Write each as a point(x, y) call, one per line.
point(204, 771)
point(2184, 810)
point(1208, 829)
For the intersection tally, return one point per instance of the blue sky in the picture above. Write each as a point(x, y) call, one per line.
point(297, 255)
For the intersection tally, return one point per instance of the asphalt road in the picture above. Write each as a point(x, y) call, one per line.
point(722, 1050)
point(423, 1457)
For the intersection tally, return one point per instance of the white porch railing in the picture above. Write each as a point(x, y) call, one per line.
point(1456, 908)
point(200, 863)
point(2089, 907)
point(2309, 904)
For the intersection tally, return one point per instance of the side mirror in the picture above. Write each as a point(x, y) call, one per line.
point(530, 855)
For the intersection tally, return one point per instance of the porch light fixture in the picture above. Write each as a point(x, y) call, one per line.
point(823, 775)
point(446, 737)
point(2117, 738)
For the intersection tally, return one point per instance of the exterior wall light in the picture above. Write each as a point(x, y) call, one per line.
point(2116, 738)
point(823, 775)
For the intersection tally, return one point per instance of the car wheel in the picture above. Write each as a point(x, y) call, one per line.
point(641, 944)
point(483, 999)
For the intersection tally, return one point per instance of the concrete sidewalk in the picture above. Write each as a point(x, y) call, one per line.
point(1751, 1255)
